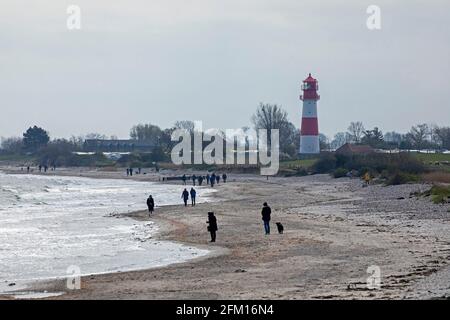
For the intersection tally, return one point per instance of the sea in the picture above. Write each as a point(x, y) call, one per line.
point(53, 225)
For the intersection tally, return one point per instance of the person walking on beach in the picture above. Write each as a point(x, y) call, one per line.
point(367, 178)
point(185, 196)
point(218, 178)
point(194, 177)
point(212, 228)
point(212, 179)
point(266, 211)
point(28, 169)
point(200, 180)
point(184, 179)
point(224, 178)
point(193, 195)
point(131, 172)
point(150, 204)
point(207, 178)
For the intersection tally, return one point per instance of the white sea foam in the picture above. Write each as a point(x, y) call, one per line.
point(49, 223)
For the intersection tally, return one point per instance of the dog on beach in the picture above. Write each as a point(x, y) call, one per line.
point(280, 227)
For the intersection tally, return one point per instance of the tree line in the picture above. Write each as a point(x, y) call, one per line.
point(419, 137)
point(36, 140)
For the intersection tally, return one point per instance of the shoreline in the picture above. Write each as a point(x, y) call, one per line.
point(19, 286)
point(334, 230)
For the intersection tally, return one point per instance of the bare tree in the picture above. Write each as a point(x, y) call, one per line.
point(393, 137)
point(324, 142)
point(418, 135)
point(444, 137)
point(270, 116)
point(186, 125)
point(433, 133)
point(356, 131)
point(146, 132)
point(12, 145)
point(340, 139)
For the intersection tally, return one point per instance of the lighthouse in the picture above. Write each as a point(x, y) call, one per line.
point(309, 134)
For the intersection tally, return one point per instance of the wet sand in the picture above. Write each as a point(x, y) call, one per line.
point(334, 230)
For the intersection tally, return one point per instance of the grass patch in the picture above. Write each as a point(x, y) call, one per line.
point(303, 163)
point(439, 194)
point(340, 172)
point(402, 178)
point(431, 157)
point(16, 158)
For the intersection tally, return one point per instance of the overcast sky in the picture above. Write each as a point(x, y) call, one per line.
point(158, 61)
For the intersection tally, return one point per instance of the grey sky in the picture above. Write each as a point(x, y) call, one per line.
point(158, 61)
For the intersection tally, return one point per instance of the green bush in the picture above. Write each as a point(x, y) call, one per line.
point(440, 194)
point(326, 164)
point(340, 172)
point(396, 168)
point(402, 178)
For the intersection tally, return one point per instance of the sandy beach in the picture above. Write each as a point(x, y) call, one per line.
point(334, 230)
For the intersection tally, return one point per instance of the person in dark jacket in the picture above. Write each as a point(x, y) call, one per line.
point(212, 179)
point(185, 196)
point(266, 211)
point(218, 178)
point(207, 178)
point(150, 204)
point(194, 177)
point(200, 180)
point(193, 195)
point(212, 228)
point(224, 178)
point(184, 179)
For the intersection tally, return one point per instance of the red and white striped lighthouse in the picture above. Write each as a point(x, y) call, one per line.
point(309, 139)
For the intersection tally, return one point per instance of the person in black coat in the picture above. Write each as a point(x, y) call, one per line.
point(150, 204)
point(212, 179)
point(212, 228)
point(193, 195)
point(185, 196)
point(266, 211)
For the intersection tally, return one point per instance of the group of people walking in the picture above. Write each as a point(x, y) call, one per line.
point(210, 179)
point(41, 168)
point(131, 170)
point(185, 196)
point(212, 220)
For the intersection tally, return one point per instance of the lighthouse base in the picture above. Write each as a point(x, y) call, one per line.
point(309, 145)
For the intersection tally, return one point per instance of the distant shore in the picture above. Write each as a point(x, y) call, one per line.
point(334, 230)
